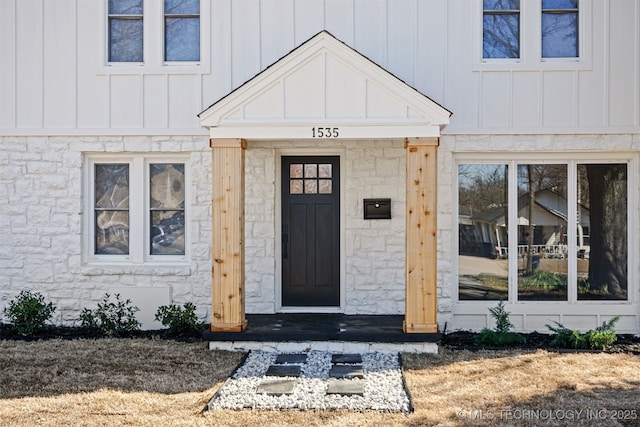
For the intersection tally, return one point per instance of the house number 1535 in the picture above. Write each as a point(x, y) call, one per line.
point(321, 132)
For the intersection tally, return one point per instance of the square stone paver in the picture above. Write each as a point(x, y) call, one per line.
point(283, 371)
point(349, 358)
point(346, 387)
point(291, 358)
point(277, 387)
point(346, 371)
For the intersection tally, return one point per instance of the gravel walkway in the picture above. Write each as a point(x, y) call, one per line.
point(379, 380)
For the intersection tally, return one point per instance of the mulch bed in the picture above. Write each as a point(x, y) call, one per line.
point(7, 332)
point(459, 340)
point(462, 340)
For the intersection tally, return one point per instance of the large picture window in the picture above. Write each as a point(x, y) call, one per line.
point(137, 210)
point(530, 232)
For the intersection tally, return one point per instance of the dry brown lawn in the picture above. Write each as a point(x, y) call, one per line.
point(120, 382)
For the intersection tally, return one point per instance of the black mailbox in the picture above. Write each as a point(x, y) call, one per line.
point(377, 208)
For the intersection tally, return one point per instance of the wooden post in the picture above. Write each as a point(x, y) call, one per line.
point(227, 249)
point(421, 236)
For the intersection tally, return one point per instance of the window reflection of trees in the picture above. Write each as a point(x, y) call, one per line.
point(602, 190)
point(559, 28)
point(182, 30)
point(501, 28)
point(125, 31)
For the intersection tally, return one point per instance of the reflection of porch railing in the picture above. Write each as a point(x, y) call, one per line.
point(545, 251)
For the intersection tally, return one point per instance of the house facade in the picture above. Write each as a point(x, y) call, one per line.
point(424, 158)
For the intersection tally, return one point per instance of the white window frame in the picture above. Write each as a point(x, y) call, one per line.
point(153, 44)
point(571, 160)
point(139, 211)
point(531, 41)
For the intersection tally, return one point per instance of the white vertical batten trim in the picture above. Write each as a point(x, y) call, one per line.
point(75, 67)
point(637, 71)
point(607, 59)
point(42, 64)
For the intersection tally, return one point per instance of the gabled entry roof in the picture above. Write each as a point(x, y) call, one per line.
point(323, 83)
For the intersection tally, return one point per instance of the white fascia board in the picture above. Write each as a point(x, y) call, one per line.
point(270, 132)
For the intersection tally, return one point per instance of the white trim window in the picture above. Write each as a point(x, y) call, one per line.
point(559, 29)
point(136, 209)
point(544, 230)
point(181, 30)
point(126, 33)
point(163, 36)
point(501, 29)
point(534, 34)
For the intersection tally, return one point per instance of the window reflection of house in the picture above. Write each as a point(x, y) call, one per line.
point(485, 233)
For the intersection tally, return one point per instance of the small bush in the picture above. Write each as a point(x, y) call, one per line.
point(28, 312)
point(178, 320)
point(502, 334)
point(547, 280)
point(595, 339)
point(114, 319)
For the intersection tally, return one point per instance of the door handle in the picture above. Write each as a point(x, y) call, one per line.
point(285, 244)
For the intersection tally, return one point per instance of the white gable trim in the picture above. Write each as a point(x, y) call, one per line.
point(324, 84)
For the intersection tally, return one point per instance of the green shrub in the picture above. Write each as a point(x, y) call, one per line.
point(595, 339)
point(114, 319)
point(28, 312)
point(502, 334)
point(547, 280)
point(179, 321)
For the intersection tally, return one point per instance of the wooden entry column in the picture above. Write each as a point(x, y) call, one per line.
point(227, 249)
point(421, 236)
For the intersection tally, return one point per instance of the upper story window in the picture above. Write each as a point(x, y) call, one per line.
point(126, 31)
point(156, 36)
point(533, 34)
point(501, 29)
point(182, 30)
point(559, 28)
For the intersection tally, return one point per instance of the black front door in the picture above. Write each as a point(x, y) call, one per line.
point(311, 231)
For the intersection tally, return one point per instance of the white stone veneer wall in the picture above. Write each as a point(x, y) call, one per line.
point(374, 249)
point(531, 316)
point(41, 221)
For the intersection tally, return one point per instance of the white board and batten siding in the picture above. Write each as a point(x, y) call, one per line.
point(55, 79)
point(60, 99)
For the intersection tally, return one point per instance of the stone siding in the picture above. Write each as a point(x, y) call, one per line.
point(42, 221)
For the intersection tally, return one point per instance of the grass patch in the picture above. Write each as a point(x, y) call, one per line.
point(115, 382)
point(541, 279)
